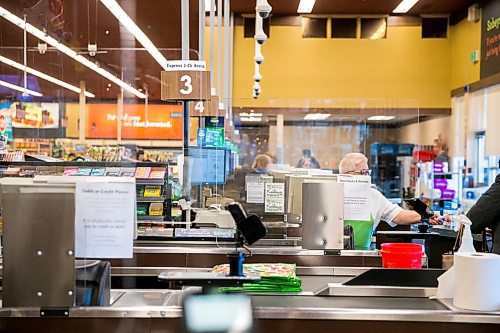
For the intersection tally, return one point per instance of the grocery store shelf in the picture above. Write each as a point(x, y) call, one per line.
point(151, 199)
point(155, 222)
point(150, 182)
point(149, 218)
point(446, 173)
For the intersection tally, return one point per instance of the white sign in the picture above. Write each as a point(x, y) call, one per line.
point(186, 65)
point(357, 197)
point(275, 198)
point(105, 214)
point(255, 192)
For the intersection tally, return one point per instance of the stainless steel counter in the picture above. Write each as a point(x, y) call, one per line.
point(167, 304)
point(224, 249)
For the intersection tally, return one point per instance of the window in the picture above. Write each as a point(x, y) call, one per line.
point(249, 27)
point(313, 27)
point(434, 27)
point(373, 28)
point(344, 27)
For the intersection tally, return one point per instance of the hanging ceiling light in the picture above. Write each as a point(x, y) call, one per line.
point(44, 76)
point(130, 25)
point(69, 52)
point(21, 89)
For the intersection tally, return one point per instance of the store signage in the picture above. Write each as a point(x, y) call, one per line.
point(6, 121)
point(357, 197)
point(205, 108)
point(105, 215)
point(157, 122)
point(185, 85)
point(186, 65)
point(36, 115)
point(211, 137)
point(490, 39)
point(275, 198)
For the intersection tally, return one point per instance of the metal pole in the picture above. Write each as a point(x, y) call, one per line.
point(280, 127)
point(219, 47)
point(120, 116)
point(231, 63)
point(201, 30)
point(186, 182)
point(226, 58)
point(185, 29)
point(83, 117)
point(212, 23)
point(25, 55)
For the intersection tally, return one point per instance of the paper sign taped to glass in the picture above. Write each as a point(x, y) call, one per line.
point(357, 197)
point(105, 214)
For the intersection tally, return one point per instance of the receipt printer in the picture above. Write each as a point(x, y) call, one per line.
point(214, 216)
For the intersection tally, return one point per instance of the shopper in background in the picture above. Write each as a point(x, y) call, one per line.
point(261, 163)
point(308, 161)
point(486, 214)
point(381, 208)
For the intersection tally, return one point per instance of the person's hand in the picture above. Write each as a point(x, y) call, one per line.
point(436, 219)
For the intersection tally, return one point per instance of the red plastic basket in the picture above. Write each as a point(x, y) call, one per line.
point(401, 255)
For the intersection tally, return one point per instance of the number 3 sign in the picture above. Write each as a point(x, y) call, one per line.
point(185, 81)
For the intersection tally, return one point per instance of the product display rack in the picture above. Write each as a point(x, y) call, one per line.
point(150, 225)
point(438, 203)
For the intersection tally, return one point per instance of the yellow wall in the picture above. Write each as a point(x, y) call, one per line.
point(465, 37)
point(402, 70)
point(403, 66)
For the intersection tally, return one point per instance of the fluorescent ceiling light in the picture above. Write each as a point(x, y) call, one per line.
point(381, 118)
point(251, 118)
point(130, 25)
point(244, 114)
point(67, 51)
point(404, 6)
point(317, 116)
point(306, 6)
point(18, 88)
point(41, 75)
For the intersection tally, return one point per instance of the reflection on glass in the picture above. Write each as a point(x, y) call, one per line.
point(373, 28)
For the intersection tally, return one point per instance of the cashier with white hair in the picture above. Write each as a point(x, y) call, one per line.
point(381, 208)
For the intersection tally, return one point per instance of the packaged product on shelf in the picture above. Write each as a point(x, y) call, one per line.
point(140, 191)
point(152, 191)
point(142, 209)
point(29, 172)
point(83, 172)
point(142, 172)
point(113, 172)
point(156, 209)
point(98, 172)
point(12, 171)
point(157, 173)
point(68, 171)
point(127, 172)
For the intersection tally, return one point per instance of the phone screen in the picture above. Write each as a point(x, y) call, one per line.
point(218, 313)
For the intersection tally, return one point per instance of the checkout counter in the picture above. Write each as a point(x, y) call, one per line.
point(325, 303)
point(161, 310)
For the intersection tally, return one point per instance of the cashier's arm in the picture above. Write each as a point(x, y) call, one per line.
point(406, 217)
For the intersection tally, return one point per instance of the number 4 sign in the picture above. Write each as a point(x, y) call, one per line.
point(185, 81)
